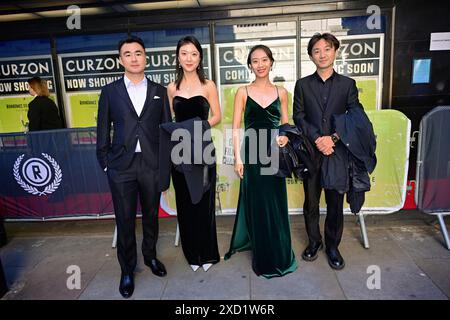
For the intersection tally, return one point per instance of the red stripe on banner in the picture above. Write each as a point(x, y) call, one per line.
point(50, 206)
point(436, 194)
point(163, 214)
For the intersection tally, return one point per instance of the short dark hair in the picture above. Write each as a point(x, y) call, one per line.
point(179, 69)
point(328, 37)
point(131, 39)
point(264, 48)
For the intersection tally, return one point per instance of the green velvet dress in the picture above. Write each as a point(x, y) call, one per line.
point(262, 220)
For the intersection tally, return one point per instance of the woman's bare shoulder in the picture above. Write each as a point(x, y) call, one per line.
point(282, 91)
point(210, 84)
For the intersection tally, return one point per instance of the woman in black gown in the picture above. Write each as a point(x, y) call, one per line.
point(190, 96)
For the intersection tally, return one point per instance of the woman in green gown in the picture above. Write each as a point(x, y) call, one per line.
point(262, 220)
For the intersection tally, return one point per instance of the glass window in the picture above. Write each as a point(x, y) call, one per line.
point(421, 71)
point(90, 62)
point(161, 48)
point(22, 48)
point(89, 42)
point(255, 31)
point(170, 37)
point(21, 60)
point(233, 43)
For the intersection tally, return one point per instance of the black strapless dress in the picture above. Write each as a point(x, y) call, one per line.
point(197, 222)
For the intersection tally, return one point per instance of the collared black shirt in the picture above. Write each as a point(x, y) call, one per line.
point(325, 88)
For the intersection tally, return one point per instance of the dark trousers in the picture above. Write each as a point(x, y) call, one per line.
point(3, 238)
point(126, 186)
point(3, 286)
point(334, 222)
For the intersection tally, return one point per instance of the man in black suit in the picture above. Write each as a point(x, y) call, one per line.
point(135, 106)
point(316, 99)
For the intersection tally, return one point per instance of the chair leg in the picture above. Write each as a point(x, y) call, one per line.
point(177, 236)
point(444, 230)
point(362, 227)
point(114, 242)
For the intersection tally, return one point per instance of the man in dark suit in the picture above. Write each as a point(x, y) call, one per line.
point(316, 99)
point(135, 106)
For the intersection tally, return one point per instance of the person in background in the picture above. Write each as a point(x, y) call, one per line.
point(43, 113)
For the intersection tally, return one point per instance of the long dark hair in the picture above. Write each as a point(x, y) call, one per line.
point(180, 72)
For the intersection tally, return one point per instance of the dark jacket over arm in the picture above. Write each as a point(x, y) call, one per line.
point(357, 135)
point(356, 132)
point(297, 156)
point(196, 167)
point(354, 154)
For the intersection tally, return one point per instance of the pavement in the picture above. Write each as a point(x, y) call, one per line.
point(406, 260)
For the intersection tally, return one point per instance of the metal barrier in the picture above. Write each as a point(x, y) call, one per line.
point(389, 179)
point(52, 175)
point(432, 192)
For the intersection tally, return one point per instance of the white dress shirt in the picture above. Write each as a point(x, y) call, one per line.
point(138, 94)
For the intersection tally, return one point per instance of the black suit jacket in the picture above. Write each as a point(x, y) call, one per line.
point(311, 116)
point(115, 108)
point(43, 114)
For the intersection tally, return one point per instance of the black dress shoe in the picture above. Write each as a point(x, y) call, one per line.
point(335, 259)
point(310, 253)
point(157, 267)
point(126, 287)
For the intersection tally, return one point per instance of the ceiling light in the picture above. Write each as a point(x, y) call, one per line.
point(64, 13)
point(17, 17)
point(163, 5)
point(205, 3)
